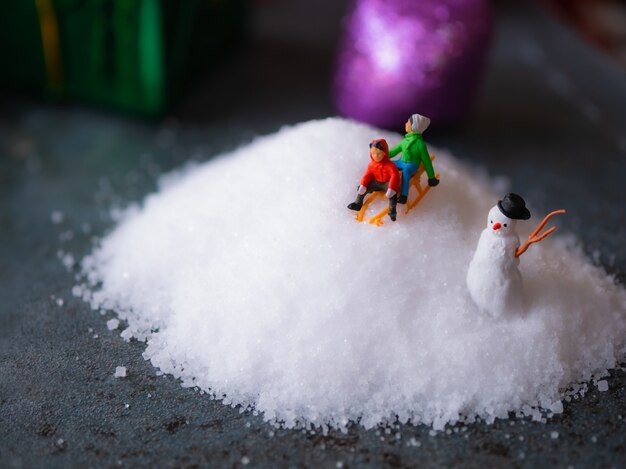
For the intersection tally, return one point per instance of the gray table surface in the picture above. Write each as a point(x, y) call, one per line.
point(551, 117)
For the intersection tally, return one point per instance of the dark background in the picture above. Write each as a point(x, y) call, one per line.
point(550, 116)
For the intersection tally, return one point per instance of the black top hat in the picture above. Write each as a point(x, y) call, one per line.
point(514, 207)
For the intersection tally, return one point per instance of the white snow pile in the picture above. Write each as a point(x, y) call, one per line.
point(250, 279)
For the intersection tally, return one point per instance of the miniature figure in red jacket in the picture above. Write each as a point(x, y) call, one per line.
point(381, 175)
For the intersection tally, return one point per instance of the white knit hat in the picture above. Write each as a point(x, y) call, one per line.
point(419, 123)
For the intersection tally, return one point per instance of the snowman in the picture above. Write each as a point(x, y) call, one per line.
point(493, 278)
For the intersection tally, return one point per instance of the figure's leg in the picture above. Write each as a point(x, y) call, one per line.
point(408, 170)
point(400, 165)
point(392, 207)
point(358, 203)
point(377, 186)
point(373, 186)
point(392, 200)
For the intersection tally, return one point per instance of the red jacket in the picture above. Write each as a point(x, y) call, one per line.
point(384, 170)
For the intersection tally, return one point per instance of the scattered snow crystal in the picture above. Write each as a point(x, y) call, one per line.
point(250, 278)
point(113, 324)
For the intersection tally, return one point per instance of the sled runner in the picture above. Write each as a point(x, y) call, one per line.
point(410, 205)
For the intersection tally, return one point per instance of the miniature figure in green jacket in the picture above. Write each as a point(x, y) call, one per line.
point(414, 153)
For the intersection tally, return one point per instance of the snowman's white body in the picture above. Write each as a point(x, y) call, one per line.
point(493, 278)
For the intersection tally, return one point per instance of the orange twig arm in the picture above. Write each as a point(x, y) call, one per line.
point(535, 237)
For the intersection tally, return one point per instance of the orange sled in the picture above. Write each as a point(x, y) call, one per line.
point(410, 205)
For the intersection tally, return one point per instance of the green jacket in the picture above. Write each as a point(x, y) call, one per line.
point(414, 151)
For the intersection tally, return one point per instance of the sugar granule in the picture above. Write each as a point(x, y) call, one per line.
point(120, 372)
point(113, 324)
point(603, 386)
point(250, 279)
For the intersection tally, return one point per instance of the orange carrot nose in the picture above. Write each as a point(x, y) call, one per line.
point(496, 226)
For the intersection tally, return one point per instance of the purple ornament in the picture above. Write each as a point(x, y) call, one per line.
point(399, 57)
